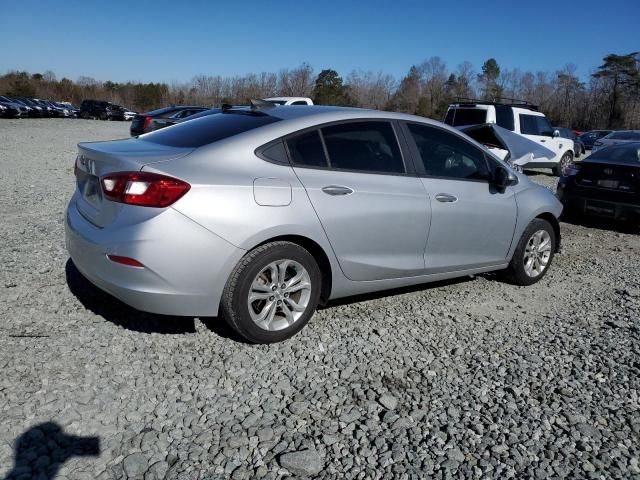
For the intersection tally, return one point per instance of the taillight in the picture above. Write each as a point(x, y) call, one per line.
point(143, 188)
point(147, 122)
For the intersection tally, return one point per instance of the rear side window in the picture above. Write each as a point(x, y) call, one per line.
point(299, 102)
point(209, 129)
point(504, 117)
point(445, 154)
point(457, 117)
point(306, 149)
point(528, 125)
point(363, 146)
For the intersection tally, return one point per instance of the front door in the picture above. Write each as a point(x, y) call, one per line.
point(472, 222)
point(375, 215)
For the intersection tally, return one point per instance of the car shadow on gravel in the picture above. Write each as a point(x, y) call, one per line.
point(121, 314)
point(365, 297)
point(43, 449)
point(603, 223)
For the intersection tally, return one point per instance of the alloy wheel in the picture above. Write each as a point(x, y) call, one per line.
point(279, 295)
point(537, 253)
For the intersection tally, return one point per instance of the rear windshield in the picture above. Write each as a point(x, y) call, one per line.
point(465, 116)
point(626, 153)
point(624, 135)
point(209, 129)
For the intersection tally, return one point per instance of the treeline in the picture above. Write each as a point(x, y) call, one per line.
point(609, 98)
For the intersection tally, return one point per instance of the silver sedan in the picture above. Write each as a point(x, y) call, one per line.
point(258, 215)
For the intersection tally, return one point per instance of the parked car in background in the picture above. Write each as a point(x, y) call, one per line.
point(606, 183)
point(162, 117)
point(590, 137)
point(101, 110)
point(578, 146)
point(520, 117)
point(7, 111)
point(262, 214)
point(20, 109)
point(615, 138)
point(30, 111)
point(290, 100)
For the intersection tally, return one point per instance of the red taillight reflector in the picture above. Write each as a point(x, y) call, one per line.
point(143, 188)
point(129, 262)
point(147, 121)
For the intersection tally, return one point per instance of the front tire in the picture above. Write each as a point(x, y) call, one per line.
point(533, 255)
point(272, 293)
point(566, 159)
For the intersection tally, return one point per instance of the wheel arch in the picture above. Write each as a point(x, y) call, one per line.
point(550, 217)
point(318, 254)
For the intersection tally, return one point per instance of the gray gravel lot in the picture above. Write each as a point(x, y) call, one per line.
point(466, 379)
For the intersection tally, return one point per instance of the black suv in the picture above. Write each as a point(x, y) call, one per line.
point(163, 117)
point(101, 110)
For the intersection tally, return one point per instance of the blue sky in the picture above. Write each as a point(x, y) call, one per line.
point(175, 40)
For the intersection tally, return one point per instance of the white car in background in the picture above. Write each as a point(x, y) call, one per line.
point(522, 118)
point(290, 100)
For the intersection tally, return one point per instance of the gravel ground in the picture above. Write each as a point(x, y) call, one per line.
point(465, 379)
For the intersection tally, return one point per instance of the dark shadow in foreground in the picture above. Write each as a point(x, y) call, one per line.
point(121, 314)
point(42, 450)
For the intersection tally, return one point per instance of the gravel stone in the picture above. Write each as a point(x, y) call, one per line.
point(303, 462)
point(388, 401)
point(472, 378)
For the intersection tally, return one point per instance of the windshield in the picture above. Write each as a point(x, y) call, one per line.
point(628, 153)
point(631, 135)
point(209, 129)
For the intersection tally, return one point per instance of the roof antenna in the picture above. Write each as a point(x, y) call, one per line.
point(257, 104)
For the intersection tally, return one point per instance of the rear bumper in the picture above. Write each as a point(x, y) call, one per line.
point(186, 266)
point(600, 203)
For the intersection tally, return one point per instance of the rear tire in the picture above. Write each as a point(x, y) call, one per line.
point(564, 161)
point(255, 302)
point(533, 255)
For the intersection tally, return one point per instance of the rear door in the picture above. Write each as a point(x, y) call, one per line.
point(374, 211)
point(472, 223)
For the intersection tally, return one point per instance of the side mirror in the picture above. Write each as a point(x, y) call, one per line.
point(503, 178)
point(556, 133)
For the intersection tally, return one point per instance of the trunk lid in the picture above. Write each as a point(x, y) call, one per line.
point(97, 159)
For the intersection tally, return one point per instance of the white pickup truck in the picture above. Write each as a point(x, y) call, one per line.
point(522, 118)
point(290, 100)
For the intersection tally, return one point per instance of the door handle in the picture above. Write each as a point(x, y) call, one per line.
point(446, 198)
point(336, 190)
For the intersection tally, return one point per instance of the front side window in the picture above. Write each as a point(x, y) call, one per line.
point(445, 154)
point(363, 146)
point(544, 127)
